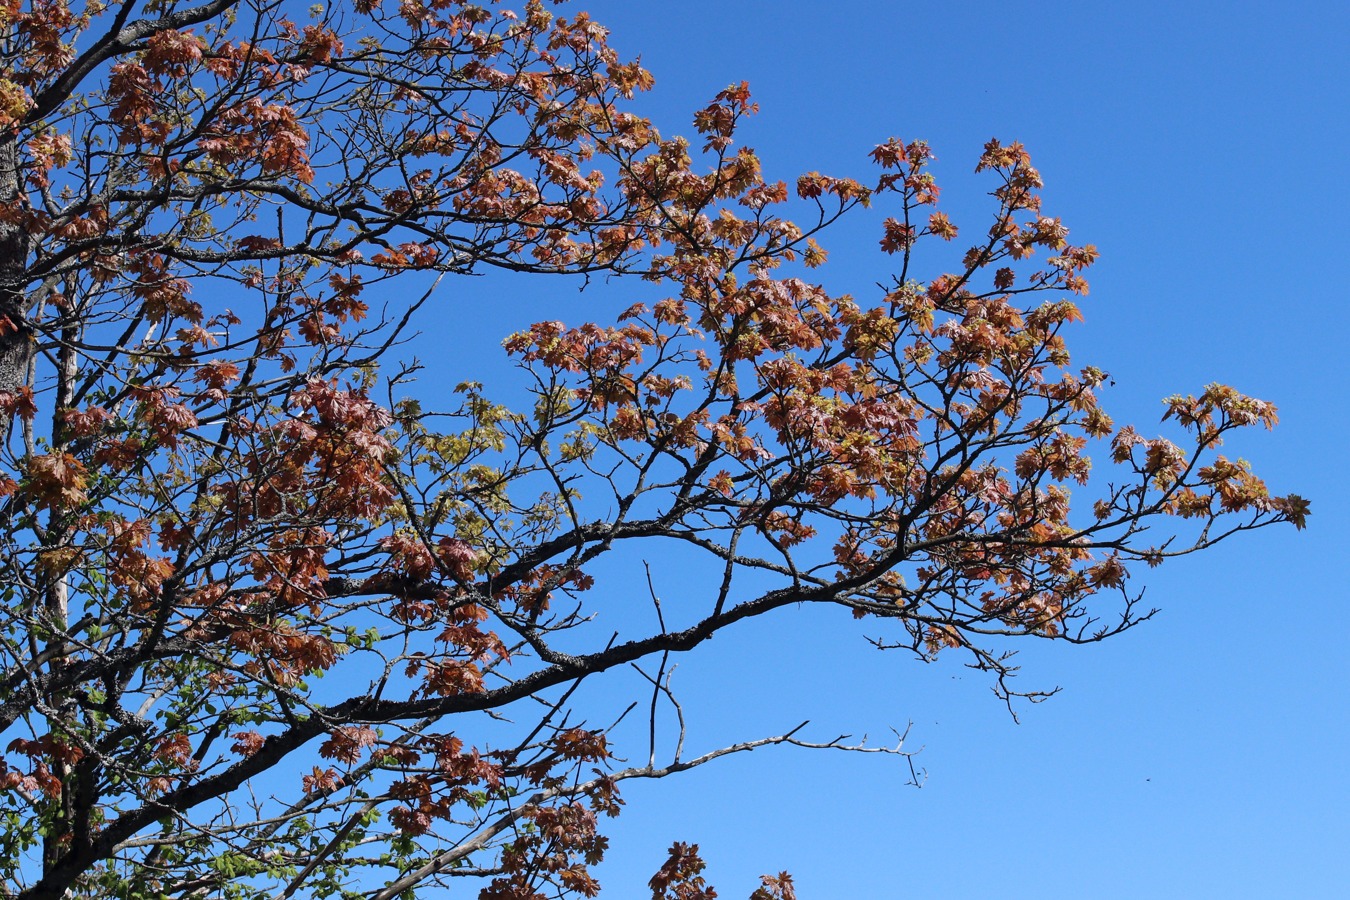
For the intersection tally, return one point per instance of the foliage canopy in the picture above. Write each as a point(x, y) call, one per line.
point(268, 607)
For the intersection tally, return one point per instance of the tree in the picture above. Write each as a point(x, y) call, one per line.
point(278, 622)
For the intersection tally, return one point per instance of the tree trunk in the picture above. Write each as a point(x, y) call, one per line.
point(16, 335)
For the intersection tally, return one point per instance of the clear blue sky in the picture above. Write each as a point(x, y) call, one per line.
point(1203, 148)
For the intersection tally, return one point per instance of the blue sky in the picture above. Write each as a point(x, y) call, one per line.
point(1202, 147)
